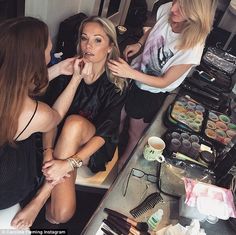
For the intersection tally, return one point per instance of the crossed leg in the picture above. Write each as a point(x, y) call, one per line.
point(76, 132)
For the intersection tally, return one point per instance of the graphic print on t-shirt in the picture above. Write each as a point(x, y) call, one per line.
point(154, 57)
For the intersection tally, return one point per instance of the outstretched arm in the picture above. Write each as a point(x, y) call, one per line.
point(122, 69)
point(133, 49)
point(51, 117)
point(64, 67)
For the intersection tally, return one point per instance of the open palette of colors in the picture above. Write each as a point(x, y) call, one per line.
point(220, 127)
point(189, 112)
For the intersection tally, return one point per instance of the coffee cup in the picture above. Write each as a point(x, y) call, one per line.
point(153, 149)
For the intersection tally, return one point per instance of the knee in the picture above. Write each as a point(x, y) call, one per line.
point(73, 124)
point(74, 121)
point(62, 215)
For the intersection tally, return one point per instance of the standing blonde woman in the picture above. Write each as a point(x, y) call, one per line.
point(170, 49)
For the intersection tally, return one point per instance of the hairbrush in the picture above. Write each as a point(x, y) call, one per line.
point(149, 202)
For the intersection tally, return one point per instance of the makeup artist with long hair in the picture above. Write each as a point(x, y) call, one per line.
point(170, 49)
point(25, 48)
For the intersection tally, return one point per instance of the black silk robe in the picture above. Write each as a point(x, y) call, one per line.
point(101, 103)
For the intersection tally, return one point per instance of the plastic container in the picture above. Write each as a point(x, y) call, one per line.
point(190, 212)
point(206, 157)
point(155, 219)
point(222, 154)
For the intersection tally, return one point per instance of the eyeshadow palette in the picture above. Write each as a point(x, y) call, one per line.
point(188, 112)
point(219, 127)
point(192, 116)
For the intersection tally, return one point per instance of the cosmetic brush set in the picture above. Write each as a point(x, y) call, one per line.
point(117, 223)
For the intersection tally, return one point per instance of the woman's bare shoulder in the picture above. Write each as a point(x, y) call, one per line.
point(44, 118)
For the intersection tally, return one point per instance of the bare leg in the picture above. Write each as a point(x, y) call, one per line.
point(123, 115)
point(136, 129)
point(76, 132)
point(123, 132)
point(25, 217)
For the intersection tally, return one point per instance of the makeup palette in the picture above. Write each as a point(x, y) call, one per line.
point(219, 127)
point(189, 113)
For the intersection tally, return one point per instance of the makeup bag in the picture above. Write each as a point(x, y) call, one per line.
point(216, 78)
point(172, 172)
point(220, 60)
point(208, 90)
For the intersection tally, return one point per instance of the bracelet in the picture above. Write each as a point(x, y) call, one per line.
point(47, 149)
point(70, 163)
point(74, 162)
point(140, 44)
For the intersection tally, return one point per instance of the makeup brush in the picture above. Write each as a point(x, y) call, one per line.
point(141, 226)
point(106, 232)
point(124, 226)
point(115, 227)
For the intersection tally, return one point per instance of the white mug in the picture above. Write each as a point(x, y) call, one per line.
point(153, 149)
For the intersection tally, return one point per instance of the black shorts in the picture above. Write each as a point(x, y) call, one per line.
point(142, 104)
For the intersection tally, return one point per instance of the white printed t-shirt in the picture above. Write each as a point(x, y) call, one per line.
point(160, 54)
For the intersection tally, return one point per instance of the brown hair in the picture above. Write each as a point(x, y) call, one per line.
point(110, 31)
point(23, 70)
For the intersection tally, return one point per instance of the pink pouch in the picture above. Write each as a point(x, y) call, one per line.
point(209, 199)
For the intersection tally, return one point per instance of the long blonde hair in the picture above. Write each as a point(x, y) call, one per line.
point(200, 16)
point(23, 69)
point(110, 31)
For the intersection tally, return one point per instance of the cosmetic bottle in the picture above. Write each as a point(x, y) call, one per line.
point(155, 219)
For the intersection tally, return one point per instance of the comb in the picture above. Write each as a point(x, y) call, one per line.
point(149, 202)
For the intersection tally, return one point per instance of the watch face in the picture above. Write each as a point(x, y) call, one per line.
point(80, 163)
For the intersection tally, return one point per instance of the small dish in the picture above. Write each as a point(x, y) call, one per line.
point(194, 127)
point(232, 126)
point(224, 118)
point(200, 108)
point(231, 133)
point(210, 133)
point(221, 125)
point(213, 117)
point(211, 125)
point(220, 135)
